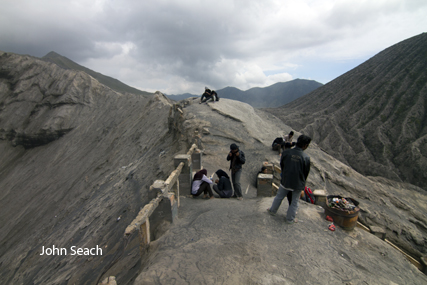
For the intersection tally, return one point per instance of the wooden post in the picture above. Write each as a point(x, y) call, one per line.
point(144, 237)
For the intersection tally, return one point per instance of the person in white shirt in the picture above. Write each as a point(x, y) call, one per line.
point(201, 184)
point(288, 138)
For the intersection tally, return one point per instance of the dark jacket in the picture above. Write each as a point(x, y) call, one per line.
point(224, 185)
point(295, 166)
point(238, 161)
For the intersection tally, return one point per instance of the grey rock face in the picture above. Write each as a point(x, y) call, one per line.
point(85, 187)
point(75, 156)
point(372, 117)
point(236, 242)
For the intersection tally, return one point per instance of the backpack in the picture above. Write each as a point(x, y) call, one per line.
point(309, 196)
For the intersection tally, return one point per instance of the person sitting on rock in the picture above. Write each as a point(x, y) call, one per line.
point(207, 96)
point(201, 184)
point(223, 187)
point(215, 96)
point(277, 144)
point(288, 138)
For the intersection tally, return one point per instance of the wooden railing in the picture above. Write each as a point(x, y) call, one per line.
point(166, 197)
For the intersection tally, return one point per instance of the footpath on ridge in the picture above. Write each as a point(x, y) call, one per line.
point(227, 241)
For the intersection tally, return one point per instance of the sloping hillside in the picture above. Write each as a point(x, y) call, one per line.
point(373, 117)
point(113, 83)
point(78, 159)
point(74, 158)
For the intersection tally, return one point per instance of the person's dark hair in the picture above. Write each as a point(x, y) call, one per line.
point(199, 174)
point(262, 169)
point(220, 173)
point(234, 146)
point(303, 140)
point(291, 133)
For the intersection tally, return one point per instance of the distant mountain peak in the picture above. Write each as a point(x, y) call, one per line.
point(374, 116)
point(113, 83)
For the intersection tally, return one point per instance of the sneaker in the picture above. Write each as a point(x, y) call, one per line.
point(271, 213)
point(292, 222)
point(240, 198)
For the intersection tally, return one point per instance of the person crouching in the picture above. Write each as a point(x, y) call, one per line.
point(201, 184)
point(223, 187)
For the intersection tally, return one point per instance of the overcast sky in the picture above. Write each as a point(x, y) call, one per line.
point(184, 45)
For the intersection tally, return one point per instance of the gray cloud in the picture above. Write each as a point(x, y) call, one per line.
point(182, 46)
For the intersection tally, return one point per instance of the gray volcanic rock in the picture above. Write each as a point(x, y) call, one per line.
point(86, 179)
point(75, 157)
point(113, 83)
point(236, 242)
point(373, 117)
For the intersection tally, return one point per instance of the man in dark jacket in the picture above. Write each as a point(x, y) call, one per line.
point(207, 95)
point(237, 159)
point(295, 166)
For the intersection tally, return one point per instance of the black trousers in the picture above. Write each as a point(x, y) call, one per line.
point(204, 188)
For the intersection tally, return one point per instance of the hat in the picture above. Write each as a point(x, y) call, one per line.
point(234, 146)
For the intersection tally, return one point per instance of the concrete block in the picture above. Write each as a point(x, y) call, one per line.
point(196, 160)
point(264, 185)
point(185, 178)
point(186, 158)
point(320, 196)
point(377, 231)
point(161, 215)
point(270, 167)
point(156, 189)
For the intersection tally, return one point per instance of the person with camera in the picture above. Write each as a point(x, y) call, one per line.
point(237, 159)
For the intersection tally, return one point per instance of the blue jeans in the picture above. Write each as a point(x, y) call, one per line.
point(235, 178)
point(292, 209)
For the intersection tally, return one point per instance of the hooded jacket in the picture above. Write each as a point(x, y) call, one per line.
point(236, 162)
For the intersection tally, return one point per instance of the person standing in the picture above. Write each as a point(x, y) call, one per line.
point(295, 166)
point(237, 159)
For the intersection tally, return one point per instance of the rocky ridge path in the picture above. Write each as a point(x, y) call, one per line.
point(226, 241)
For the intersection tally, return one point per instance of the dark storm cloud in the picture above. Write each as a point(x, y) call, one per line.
point(178, 46)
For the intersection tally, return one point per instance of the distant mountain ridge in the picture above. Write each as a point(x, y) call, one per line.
point(274, 95)
point(113, 83)
point(374, 117)
point(77, 162)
